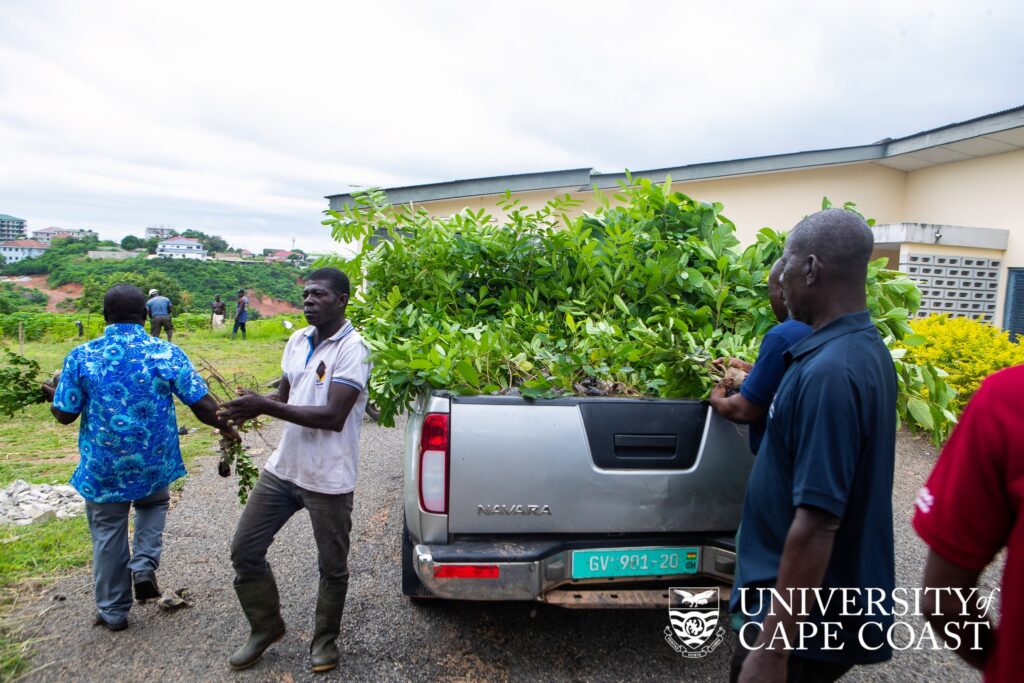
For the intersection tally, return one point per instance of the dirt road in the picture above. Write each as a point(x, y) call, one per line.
point(384, 637)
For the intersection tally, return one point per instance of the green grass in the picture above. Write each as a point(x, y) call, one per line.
point(34, 447)
point(39, 551)
point(31, 556)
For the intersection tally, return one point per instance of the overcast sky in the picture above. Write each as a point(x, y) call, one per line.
point(236, 118)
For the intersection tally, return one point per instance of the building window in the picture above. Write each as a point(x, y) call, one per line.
point(1014, 319)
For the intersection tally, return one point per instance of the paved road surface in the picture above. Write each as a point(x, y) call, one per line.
point(384, 637)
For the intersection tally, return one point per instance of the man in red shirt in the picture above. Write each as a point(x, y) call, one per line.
point(971, 507)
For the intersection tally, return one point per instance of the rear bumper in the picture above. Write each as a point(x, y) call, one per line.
point(542, 571)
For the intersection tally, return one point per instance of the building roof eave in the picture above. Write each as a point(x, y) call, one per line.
point(476, 187)
point(1010, 121)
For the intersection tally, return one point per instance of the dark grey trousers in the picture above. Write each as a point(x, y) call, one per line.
point(112, 562)
point(272, 502)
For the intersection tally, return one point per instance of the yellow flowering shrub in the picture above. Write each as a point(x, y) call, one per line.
point(966, 349)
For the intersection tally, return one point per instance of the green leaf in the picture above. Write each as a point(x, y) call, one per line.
point(920, 412)
point(620, 304)
point(468, 372)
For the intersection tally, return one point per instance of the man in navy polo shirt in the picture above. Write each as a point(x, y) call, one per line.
point(750, 405)
point(818, 510)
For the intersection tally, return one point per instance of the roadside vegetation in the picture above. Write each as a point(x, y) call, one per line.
point(967, 350)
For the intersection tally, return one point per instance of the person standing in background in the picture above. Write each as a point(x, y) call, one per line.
point(241, 314)
point(219, 311)
point(159, 310)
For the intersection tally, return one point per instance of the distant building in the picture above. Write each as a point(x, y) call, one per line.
point(47, 235)
point(11, 228)
point(115, 254)
point(281, 255)
point(181, 247)
point(159, 232)
point(19, 250)
point(231, 257)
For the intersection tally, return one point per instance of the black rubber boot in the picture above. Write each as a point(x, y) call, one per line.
point(323, 651)
point(262, 606)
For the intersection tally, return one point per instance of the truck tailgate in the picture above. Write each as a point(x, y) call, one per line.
point(593, 465)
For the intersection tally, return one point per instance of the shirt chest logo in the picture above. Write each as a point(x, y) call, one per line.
point(321, 371)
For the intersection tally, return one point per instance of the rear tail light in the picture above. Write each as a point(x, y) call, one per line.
point(466, 571)
point(434, 453)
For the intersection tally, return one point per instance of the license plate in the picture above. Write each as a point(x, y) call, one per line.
point(622, 562)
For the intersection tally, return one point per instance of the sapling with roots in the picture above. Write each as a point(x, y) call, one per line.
point(232, 453)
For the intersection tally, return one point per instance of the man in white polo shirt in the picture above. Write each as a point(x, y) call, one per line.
point(322, 398)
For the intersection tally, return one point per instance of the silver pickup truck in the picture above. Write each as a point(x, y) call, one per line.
point(580, 502)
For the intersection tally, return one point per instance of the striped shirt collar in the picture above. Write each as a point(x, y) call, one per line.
point(346, 328)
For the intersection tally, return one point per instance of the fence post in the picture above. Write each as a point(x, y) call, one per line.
point(21, 338)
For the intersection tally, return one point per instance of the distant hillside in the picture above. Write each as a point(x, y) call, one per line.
point(66, 263)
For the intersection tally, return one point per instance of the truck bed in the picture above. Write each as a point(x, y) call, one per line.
point(536, 489)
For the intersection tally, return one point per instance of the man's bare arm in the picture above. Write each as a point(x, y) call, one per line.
point(283, 391)
point(944, 610)
point(340, 400)
point(205, 410)
point(60, 415)
point(805, 558)
point(735, 408)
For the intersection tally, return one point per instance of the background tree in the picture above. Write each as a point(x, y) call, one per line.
point(131, 242)
point(215, 243)
point(96, 286)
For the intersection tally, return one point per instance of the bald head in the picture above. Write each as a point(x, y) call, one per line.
point(839, 238)
point(826, 264)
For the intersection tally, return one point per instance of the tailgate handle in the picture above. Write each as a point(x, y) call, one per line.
point(646, 442)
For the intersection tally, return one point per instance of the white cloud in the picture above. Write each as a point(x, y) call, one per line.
point(236, 118)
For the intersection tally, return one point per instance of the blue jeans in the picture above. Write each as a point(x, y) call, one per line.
point(112, 566)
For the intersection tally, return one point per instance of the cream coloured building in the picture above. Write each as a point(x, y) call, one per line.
point(946, 202)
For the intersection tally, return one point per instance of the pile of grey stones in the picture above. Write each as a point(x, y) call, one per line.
point(22, 503)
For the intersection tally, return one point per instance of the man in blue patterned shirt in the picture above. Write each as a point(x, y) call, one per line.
point(123, 384)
